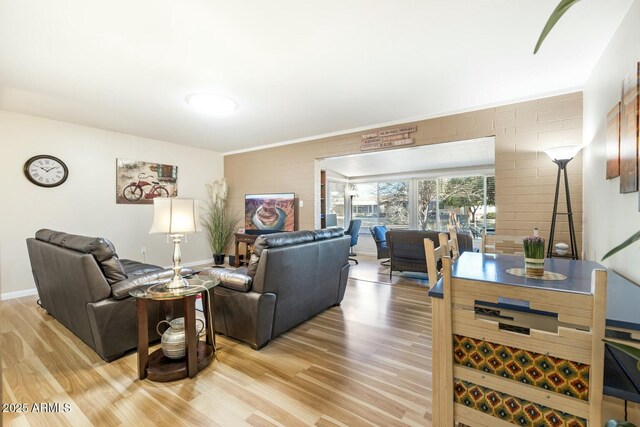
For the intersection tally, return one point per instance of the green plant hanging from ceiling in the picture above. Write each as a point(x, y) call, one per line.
point(560, 10)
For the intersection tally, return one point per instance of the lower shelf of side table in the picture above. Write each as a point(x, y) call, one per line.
point(162, 369)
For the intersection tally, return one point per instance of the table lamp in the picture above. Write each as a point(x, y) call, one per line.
point(175, 217)
point(561, 156)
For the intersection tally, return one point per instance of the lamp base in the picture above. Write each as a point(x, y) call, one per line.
point(176, 283)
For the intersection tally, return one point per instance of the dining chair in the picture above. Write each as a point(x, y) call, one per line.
point(451, 242)
point(434, 257)
point(378, 232)
point(501, 244)
point(354, 231)
point(489, 371)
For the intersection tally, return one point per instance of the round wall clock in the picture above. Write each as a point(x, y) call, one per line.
point(46, 171)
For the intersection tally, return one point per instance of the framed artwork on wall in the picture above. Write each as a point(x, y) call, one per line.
point(140, 182)
point(629, 134)
point(613, 142)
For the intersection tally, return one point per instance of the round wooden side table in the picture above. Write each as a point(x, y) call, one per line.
point(199, 354)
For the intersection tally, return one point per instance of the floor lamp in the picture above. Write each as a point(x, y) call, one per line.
point(561, 156)
point(351, 193)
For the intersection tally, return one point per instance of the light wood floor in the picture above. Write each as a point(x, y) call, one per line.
point(366, 362)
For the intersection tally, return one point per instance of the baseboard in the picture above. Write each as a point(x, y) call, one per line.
point(204, 261)
point(18, 294)
point(366, 253)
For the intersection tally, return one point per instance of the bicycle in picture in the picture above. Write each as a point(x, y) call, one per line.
point(134, 191)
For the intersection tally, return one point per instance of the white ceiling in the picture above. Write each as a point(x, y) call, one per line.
point(473, 153)
point(297, 69)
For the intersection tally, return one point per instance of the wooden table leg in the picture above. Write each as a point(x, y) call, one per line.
point(191, 337)
point(143, 338)
point(209, 311)
point(236, 262)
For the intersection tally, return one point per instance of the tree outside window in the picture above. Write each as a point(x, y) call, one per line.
point(393, 200)
point(427, 204)
point(463, 200)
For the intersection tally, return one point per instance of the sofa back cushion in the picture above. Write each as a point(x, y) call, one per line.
point(328, 233)
point(102, 250)
point(275, 240)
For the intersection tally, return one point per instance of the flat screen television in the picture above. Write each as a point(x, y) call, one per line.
point(269, 212)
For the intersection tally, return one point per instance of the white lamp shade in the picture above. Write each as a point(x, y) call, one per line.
point(565, 152)
point(175, 216)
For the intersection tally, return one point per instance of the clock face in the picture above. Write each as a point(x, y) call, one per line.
point(46, 171)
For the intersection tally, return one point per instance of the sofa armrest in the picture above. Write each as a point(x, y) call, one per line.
point(121, 289)
point(236, 280)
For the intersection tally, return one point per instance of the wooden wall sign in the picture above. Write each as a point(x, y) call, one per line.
point(629, 134)
point(613, 142)
point(387, 138)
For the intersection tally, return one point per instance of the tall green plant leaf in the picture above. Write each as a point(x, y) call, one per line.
point(553, 19)
point(622, 245)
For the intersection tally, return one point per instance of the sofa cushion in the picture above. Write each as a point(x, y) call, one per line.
point(237, 279)
point(274, 241)
point(102, 250)
point(121, 289)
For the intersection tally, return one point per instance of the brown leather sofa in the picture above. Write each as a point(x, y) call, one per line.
point(406, 248)
point(83, 284)
point(291, 277)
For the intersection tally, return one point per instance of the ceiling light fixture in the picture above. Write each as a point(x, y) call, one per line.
point(210, 103)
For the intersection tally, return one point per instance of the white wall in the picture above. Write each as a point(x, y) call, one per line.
point(85, 203)
point(610, 217)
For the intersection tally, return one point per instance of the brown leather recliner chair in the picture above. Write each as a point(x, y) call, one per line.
point(82, 284)
point(291, 277)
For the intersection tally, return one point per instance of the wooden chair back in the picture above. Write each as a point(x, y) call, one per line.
point(451, 242)
point(501, 244)
point(434, 255)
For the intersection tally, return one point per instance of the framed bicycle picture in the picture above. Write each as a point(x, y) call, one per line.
point(140, 182)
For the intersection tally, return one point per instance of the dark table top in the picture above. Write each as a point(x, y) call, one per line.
point(622, 302)
point(622, 294)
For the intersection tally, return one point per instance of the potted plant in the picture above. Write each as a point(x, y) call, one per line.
point(533, 255)
point(217, 222)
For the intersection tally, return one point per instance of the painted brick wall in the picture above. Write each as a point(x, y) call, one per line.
point(525, 176)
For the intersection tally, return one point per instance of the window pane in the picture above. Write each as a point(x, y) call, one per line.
point(394, 204)
point(490, 219)
point(427, 200)
point(365, 205)
point(461, 202)
point(335, 201)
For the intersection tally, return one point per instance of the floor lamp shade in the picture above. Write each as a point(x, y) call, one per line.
point(564, 152)
point(175, 216)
